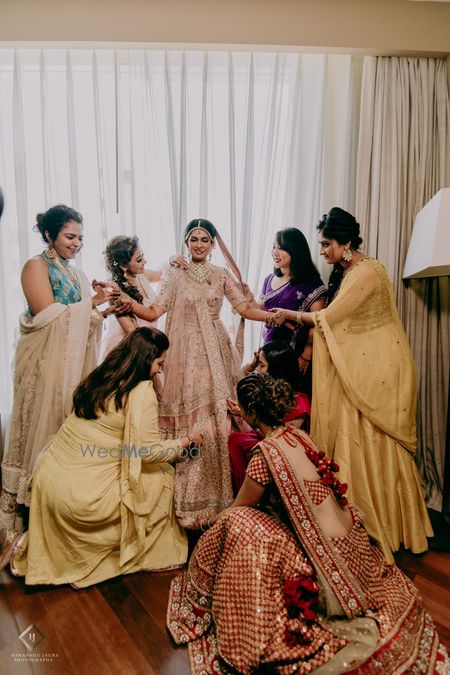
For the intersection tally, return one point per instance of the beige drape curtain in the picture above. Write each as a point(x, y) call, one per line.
point(403, 160)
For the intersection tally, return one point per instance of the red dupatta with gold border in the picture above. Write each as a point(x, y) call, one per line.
point(325, 558)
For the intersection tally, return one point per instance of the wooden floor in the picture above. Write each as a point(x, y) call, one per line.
point(119, 626)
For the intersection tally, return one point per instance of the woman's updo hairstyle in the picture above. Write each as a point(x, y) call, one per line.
point(200, 223)
point(54, 219)
point(268, 398)
point(343, 227)
point(118, 253)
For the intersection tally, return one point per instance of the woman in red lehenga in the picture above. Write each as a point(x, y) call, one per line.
point(287, 580)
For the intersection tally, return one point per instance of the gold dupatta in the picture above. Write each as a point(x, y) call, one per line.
point(361, 350)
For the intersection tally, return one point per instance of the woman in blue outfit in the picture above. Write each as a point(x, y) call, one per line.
point(57, 347)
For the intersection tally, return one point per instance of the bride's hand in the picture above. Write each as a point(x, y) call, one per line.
point(278, 316)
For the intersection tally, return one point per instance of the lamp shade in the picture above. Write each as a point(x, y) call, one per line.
point(429, 248)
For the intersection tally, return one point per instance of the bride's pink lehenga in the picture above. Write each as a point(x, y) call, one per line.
point(267, 589)
point(201, 371)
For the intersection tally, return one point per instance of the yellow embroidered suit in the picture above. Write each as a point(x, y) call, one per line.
point(102, 499)
point(364, 407)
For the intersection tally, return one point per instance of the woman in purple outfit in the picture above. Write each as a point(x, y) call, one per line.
point(294, 284)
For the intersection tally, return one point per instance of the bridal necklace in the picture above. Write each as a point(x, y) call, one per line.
point(200, 273)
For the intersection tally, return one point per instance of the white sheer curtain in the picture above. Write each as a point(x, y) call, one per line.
point(141, 141)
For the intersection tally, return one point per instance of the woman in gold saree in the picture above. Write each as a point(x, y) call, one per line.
point(364, 390)
point(287, 581)
point(102, 493)
point(58, 346)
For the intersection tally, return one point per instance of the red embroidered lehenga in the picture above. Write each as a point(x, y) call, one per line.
point(266, 589)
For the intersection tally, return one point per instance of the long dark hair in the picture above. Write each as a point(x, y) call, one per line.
point(53, 220)
point(343, 227)
point(268, 398)
point(282, 362)
point(124, 367)
point(119, 251)
point(294, 242)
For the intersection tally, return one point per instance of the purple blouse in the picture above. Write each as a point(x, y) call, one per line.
point(295, 296)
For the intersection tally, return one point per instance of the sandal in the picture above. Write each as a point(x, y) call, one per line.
point(8, 546)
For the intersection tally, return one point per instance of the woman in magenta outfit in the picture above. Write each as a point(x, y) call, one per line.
point(279, 360)
point(295, 284)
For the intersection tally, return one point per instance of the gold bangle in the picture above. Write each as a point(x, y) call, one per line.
point(299, 319)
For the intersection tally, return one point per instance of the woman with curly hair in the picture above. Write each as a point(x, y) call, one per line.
point(287, 580)
point(364, 389)
point(125, 261)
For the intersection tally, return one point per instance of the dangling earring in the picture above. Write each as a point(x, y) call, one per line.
point(347, 255)
point(210, 256)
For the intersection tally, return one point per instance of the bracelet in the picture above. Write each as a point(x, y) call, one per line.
point(299, 318)
point(268, 319)
point(192, 444)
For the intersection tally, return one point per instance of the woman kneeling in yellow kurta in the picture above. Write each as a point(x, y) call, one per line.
point(102, 494)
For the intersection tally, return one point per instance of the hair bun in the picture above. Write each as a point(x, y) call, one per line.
point(39, 227)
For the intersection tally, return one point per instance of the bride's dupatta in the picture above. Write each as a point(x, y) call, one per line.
point(330, 567)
